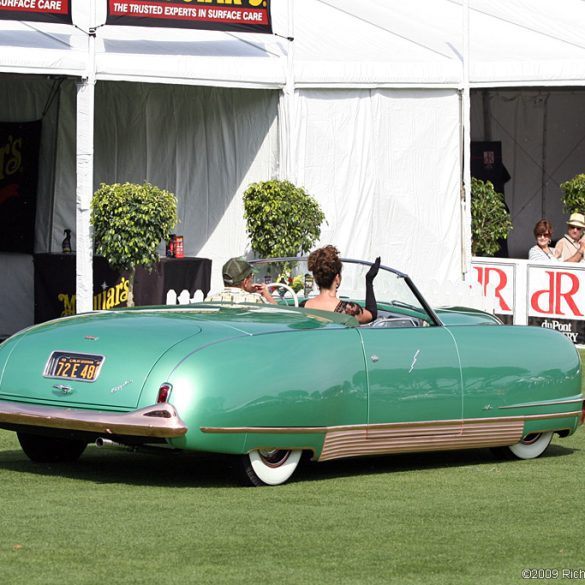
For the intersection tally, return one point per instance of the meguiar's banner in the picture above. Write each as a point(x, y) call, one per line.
point(36, 10)
point(226, 15)
point(19, 162)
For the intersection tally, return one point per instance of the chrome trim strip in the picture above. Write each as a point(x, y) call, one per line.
point(306, 259)
point(158, 420)
point(404, 425)
point(552, 403)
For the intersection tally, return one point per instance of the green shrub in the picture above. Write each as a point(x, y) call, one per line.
point(281, 219)
point(129, 223)
point(574, 194)
point(490, 220)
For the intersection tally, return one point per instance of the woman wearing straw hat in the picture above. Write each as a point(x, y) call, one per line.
point(571, 247)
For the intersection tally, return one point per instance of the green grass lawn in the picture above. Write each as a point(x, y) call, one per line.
point(453, 518)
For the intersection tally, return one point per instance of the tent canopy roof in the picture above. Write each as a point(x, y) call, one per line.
point(337, 43)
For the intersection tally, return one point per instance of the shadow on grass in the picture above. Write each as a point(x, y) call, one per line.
point(180, 470)
point(413, 462)
point(167, 469)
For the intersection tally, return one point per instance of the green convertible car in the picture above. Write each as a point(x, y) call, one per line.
point(266, 383)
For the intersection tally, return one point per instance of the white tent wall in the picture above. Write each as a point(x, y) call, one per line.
point(204, 144)
point(543, 144)
point(383, 163)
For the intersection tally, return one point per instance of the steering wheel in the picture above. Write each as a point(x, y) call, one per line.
point(287, 288)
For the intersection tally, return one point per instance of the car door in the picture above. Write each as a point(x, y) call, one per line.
point(414, 382)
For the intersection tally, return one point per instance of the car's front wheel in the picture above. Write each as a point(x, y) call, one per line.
point(45, 449)
point(269, 466)
point(530, 447)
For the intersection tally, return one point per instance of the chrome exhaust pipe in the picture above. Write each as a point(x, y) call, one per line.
point(102, 443)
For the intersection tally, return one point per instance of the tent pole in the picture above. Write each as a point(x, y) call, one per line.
point(466, 170)
point(84, 166)
point(286, 114)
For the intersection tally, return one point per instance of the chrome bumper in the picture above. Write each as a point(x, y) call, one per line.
point(158, 420)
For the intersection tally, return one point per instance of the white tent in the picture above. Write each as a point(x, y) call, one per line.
point(363, 103)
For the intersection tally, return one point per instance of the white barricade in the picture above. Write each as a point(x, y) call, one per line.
point(543, 295)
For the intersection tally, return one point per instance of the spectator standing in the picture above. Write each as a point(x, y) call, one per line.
point(542, 252)
point(571, 247)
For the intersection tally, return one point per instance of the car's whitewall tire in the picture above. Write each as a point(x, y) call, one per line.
point(270, 466)
point(531, 447)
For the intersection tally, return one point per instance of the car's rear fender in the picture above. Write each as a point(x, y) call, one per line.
point(229, 393)
point(520, 372)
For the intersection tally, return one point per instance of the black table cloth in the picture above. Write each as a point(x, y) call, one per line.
point(54, 279)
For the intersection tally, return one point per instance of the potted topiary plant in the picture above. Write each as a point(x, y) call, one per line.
point(490, 220)
point(281, 219)
point(574, 194)
point(129, 223)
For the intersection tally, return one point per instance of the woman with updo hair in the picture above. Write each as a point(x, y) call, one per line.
point(326, 267)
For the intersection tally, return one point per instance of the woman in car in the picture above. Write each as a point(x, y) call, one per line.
point(326, 267)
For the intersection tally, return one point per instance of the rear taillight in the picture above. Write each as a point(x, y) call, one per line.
point(582, 419)
point(164, 393)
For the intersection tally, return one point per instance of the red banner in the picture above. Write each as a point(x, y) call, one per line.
point(36, 10)
point(226, 15)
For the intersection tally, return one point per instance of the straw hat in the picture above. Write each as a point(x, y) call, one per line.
point(577, 219)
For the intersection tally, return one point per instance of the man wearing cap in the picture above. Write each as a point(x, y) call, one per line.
point(238, 279)
point(571, 247)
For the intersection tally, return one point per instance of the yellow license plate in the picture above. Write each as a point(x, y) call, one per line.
point(73, 366)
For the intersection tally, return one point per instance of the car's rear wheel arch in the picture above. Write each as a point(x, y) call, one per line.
point(50, 449)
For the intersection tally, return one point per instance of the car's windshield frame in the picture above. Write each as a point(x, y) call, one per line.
point(432, 316)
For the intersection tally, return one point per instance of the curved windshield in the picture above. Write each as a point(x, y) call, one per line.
point(396, 295)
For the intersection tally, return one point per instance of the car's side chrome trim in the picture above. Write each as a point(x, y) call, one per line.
point(158, 420)
point(353, 440)
point(402, 425)
point(544, 403)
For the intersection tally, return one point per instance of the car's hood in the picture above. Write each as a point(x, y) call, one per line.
point(129, 343)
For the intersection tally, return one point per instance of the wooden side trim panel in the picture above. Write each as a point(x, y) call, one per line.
point(488, 433)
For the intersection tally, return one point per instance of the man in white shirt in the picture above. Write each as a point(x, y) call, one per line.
point(238, 279)
point(570, 248)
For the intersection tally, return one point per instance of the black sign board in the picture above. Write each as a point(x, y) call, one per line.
point(571, 328)
point(36, 10)
point(225, 15)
